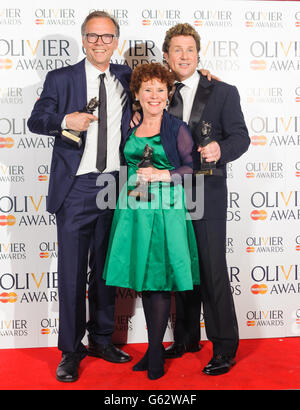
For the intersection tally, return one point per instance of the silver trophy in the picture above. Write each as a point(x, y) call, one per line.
point(75, 137)
point(207, 168)
point(141, 190)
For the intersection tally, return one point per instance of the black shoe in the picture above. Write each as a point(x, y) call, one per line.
point(67, 370)
point(153, 375)
point(219, 364)
point(110, 353)
point(178, 350)
point(142, 365)
point(156, 363)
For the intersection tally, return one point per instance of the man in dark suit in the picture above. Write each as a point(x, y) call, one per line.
point(218, 104)
point(81, 226)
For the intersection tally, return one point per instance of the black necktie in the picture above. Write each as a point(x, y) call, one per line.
point(102, 127)
point(176, 104)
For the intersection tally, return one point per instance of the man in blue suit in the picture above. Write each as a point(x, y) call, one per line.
point(81, 226)
point(217, 104)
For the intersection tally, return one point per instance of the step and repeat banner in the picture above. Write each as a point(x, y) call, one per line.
point(251, 44)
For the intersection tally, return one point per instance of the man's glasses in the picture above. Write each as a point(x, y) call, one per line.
point(93, 38)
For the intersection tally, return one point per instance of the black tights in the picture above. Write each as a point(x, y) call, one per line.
point(157, 310)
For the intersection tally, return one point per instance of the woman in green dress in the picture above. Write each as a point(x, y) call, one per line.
point(152, 246)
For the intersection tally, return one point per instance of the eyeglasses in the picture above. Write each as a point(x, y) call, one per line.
point(93, 38)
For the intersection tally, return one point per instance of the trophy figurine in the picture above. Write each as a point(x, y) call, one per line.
point(140, 192)
point(207, 168)
point(75, 137)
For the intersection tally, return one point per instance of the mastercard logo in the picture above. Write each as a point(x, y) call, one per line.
point(258, 215)
point(44, 255)
point(259, 289)
point(146, 22)
point(258, 140)
point(8, 297)
point(250, 323)
point(43, 178)
point(5, 63)
point(45, 331)
point(298, 248)
point(39, 21)
point(250, 175)
point(249, 24)
point(250, 249)
point(258, 65)
point(7, 220)
point(6, 142)
point(198, 23)
point(297, 99)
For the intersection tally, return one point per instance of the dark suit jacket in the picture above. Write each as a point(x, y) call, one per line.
point(221, 108)
point(65, 91)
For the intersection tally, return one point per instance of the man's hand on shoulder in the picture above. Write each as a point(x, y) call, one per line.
point(136, 119)
point(207, 73)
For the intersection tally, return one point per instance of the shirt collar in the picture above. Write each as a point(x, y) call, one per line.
point(192, 80)
point(93, 72)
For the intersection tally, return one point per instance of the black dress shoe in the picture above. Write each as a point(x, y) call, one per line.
point(153, 375)
point(67, 370)
point(156, 363)
point(219, 364)
point(142, 365)
point(178, 350)
point(109, 352)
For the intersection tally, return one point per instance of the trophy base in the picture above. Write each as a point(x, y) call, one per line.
point(211, 171)
point(71, 138)
point(141, 195)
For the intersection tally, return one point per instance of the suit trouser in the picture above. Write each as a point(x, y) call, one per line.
point(214, 293)
point(83, 228)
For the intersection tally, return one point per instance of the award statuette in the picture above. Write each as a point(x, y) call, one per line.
point(140, 192)
point(207, 168)
point(74, 137)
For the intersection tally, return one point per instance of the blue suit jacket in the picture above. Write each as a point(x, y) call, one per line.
point(65, 92)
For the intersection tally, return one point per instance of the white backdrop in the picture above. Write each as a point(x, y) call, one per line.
point(253, 45)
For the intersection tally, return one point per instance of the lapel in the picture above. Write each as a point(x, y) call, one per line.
point(123, 76)
point(80, 86)
point(203, 93)
point(116, 70)
point(80, 83)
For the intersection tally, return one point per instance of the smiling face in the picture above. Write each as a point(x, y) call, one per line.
point(99, 54)
point(153, 95)
point(182, 56)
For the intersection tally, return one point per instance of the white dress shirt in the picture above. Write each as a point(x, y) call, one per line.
point(188, 93)
point(116, 98)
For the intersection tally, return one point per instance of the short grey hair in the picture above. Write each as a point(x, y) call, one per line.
point(102, 14)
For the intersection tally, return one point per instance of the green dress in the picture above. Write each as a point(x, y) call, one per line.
point(152, 244)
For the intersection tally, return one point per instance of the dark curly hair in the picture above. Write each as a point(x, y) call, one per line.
point(146, 72)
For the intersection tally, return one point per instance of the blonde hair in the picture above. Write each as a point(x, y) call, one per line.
point(184, 29)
